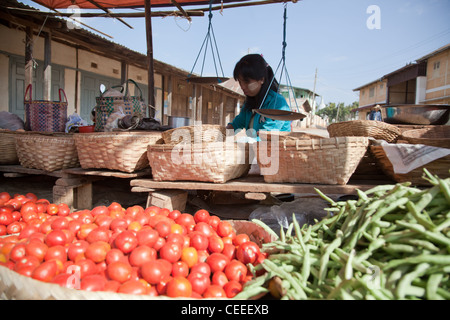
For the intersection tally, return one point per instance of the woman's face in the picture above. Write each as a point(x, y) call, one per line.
point(250, 87)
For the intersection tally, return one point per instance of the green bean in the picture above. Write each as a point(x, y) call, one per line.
point(429, 258)
point(306, 267)
point(269, 265)
point(445, 188)
point(420, 243)
point(326, 198)
point(404, 285)
point(348, 265)
point(265, 227)
point(421, 218)
point(434, 236)
point(432, 286)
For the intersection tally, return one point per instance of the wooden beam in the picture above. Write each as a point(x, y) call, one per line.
point(185, 14)
point(95, 3)
point(48, 66)
point(28, 56)
point(150, 72)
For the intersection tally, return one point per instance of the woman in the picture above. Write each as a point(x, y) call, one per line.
point(255, 76)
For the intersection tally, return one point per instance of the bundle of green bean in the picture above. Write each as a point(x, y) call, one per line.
point(391, 243)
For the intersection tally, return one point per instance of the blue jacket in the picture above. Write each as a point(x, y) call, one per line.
point(273, 100)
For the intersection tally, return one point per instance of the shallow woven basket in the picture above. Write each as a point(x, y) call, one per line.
point(47, 151)
point(216, 162)
point(324, 161)
point(284, 135)
point(439, 167)
point(364, 128)
point(195, 134)
point(14, 286)
point(8, 153)
point(122, 151)
point(437, 136)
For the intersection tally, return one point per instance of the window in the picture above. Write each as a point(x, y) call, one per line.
point(436, 67)
point(371, 92)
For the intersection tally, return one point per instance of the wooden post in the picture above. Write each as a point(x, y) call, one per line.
point(151, 80)
point(28, 56)
point(48, 66)
point(123, 71)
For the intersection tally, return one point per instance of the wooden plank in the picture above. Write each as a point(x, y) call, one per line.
point(76, 182)
point(253, 184)
point(170, 199)
point(83, 196)
point(108, 173)
point(20, 169)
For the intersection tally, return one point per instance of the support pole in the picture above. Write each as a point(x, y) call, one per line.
point(28, 56)
point(151, 81)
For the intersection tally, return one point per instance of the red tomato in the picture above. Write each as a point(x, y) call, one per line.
point(134, 287)
point(199, 241)
point(232, 288)
point(74, 226)
point(171, 252)
point(163, 228)
point(99, 234)
point(152, 210)
point(215, 244)
point(99, 210)
point(115, 255)
point(118, 224)
point(204, 229)
point(190, 256)
point(154, 271)
point(94, 282)
point(199, 282)
point(14, 227)
point(57, 252)
point(159, 243)
point(85, 229)
point(179, 287)
point(134, 211)
point(217, 262)
point(87, 267)
point(18, 252)
point(45, 271)
point(236, 270)
point(2, 230)
point(29, 262)
point(52, 209)
point(55, 237)
point(175, 238)
point(6, 218)
point(28, 231)
point(214, 291)
point(214, 222)
point(97, 251)
point(103, 221)
point(229, 250)
point(224, 229)
point(147, 236)
point(126, 241)
point(77, 248)
point(240, 239)
point(36, 249)
point(28, 207)
point(186, 220)
point(60, 223)
point(119, 271)
point(180, 269)
point(63, 210)
point(5, 196)
point(248, 252)
point(142, 218)
point(174, 214)
point(112, 285)
point(201, 216)
point(219, 278)
point(141, 255)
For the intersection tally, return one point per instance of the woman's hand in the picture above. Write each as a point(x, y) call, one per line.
point(229, 126)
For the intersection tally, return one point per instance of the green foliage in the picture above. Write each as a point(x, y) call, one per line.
point(338, 112)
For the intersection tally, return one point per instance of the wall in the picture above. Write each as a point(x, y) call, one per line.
point(438, 78)
point(374, 93)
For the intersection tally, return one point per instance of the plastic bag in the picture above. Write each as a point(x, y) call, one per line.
point(306, 211)
point(113, 120)
point(11, 121)
point(74, 121)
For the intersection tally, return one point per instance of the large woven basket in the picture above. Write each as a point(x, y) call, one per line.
point(364, 128)
point(14, 286)
point(323, 161)
point(216, 162)
point(122, 151)
point(438, 167)
point(195, 134)
point(436, 136)
point(8, 153)
point(47, 151)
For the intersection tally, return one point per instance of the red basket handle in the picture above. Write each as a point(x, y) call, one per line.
point(63, 94)
point(26, 91)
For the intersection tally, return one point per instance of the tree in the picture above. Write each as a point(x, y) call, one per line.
point(338, 112)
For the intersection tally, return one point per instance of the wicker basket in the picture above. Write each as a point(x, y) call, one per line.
point(195, 134)
point(438, 167)
point(14, 286)
point(8, 153)
point(323, 161)
point(364, 128)
point(436, 136)
point(216, 162)
point(47, 151)
point(285, 135)
point(122, 151)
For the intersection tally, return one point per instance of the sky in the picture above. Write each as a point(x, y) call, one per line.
point(346, 43)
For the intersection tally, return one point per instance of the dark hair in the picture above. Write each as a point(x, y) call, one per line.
point(253, 66)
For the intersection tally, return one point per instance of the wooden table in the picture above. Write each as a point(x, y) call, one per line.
point(254, 187)
point(74, 185)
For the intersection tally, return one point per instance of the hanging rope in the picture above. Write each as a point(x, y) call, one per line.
point(213, 44)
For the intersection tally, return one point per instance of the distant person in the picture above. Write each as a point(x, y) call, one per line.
point(255, 76)
point(375, 114)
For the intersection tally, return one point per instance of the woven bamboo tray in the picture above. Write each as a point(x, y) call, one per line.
point(14, 286)
point(8, 152)
point(216, 162)
point(47, 151)
point(323, 161)
point(436, 136)
point(284, 135)
point(438, 167)
point(364, 128)
point(195, 134)
point(122, 151)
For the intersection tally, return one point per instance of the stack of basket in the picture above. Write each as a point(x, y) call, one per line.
point(198, 153)
point(123, 151)
point(302, 158)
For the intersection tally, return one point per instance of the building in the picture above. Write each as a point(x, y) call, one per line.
point(425, 81)
point(42, 49)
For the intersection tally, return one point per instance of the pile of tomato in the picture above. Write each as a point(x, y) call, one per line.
point(152, 251)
